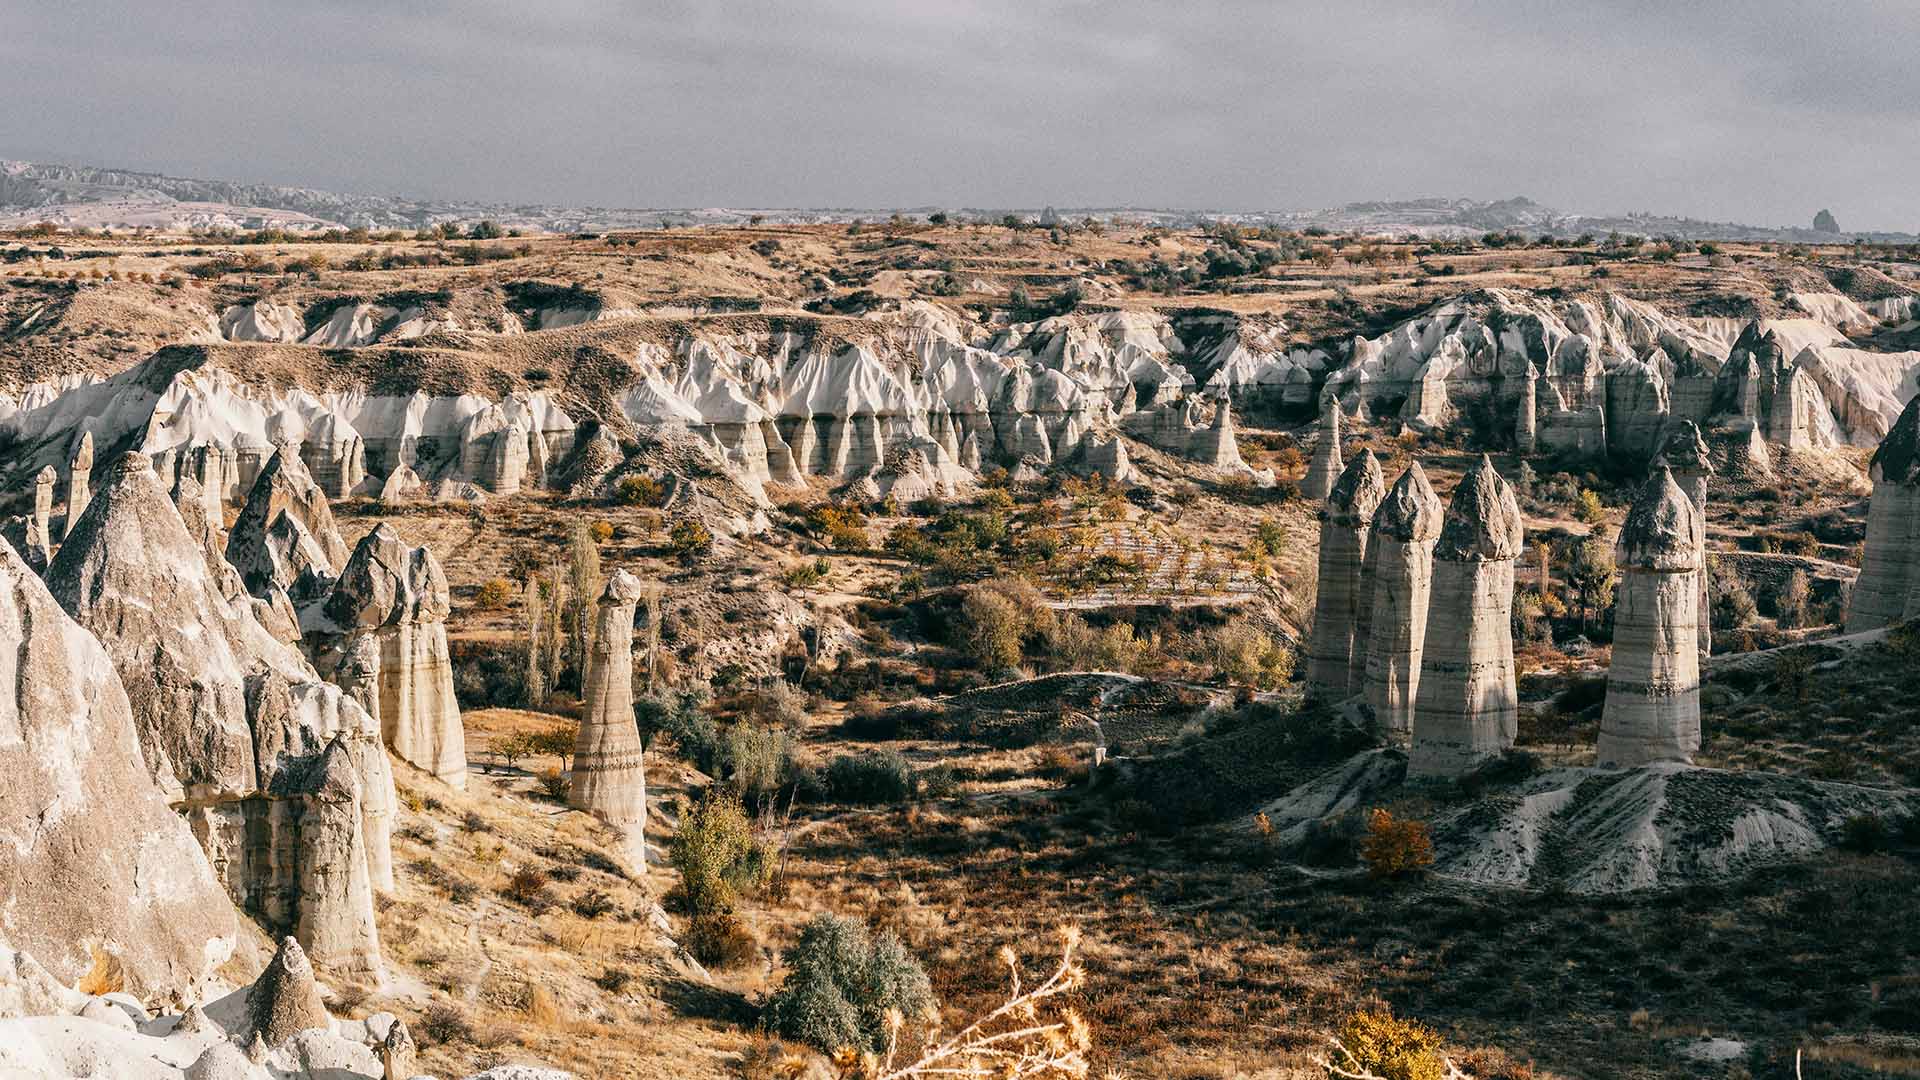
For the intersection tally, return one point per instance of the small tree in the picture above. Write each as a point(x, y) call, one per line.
point(1591, 574)
point(992, 628)
point(584, 586)
point(1395, 847)
point(1792, 602)
point(716, 854)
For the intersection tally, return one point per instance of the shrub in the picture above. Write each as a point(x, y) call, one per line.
point(721, 940)
point(1243, 653)
point(1395, 847)
point(759, 760)
point(997, 617)
point(689, 540)
point(639, 490)
point(592, 904)
point(872, 778)
point(779, 704)
point(494, 595)
point(601, 531)
point(804, 574)
point(529, 888)
point(444, 1024)
point(841, 984)
point(1864, 833)
point(682, 718)
point(717, 855)
point(613, 980)
point(1376, 1042)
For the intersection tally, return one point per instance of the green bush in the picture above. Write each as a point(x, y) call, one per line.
point(760, 761)
point(717, 855)
point(872, 778)
point(841, 983)
point(682, 718)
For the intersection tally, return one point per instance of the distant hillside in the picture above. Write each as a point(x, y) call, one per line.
point(82, 196)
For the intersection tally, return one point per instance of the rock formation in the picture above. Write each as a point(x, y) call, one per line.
point(1685, 452)
point(285, 1000)
point(1326, 465)
point(609, 775)
point(235, 726)
point(40, 531)
point(1824, 222)
point(1526, 423)
point(1652, 710)
point(1401, 550)
point(1466, 705)
point(1888, 588)
point(94, 858)
point(1344, 605)
point(79, 476)
point(380, 634)
point(285, 531)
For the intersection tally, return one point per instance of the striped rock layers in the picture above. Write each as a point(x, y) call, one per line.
point(1343, 605)
point(1652, 711)
point(1401, 550)
point(609, 777)
point(1466, 708)
point(1888, 588)
point(1326, 465)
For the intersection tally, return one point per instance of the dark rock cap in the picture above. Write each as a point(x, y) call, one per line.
point(1483, 522)
point(1898, 459)
point(1685, 449)
point(1661, 529)
point(1411, 511)
point(1357, 493)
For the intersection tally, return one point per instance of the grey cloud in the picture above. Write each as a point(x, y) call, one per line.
point(1759, 111)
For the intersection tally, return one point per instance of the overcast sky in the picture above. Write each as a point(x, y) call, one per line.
point(1760, 111)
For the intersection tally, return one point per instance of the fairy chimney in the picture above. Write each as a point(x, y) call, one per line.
point(79, 475)
point(1685, 452)
point(1652, 710)
point(609, 779)
point(1466, 707)
point(1343, 604)
point(1326, 465)
point(1890, 567)
point(1404, 529)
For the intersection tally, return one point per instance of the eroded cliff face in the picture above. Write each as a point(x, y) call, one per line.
point(233, 725)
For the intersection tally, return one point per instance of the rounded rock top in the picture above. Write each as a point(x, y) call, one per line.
point(1483, 522)
point(1685, 448)
point(1411, 511)
point(1358, 491)
point(622, 588)
point(1662, 529)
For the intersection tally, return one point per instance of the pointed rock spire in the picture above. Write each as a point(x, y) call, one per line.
point(79, 476)
point(1326, 464)
point(1404, 529)
point(1466, 710)
point(1343, 606)
point(1483, 519)
point(285, 1000)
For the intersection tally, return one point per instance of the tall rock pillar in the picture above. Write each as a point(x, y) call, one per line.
point(1337, 651)
point(609, 778)
point(1652, 711)
point(1526, 425)
point(1888, 570)
point(40, 531)
point(1326, 465)
point(1686, 453)
point(1466, 708)
point(79, 476)
point(1404, 529)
